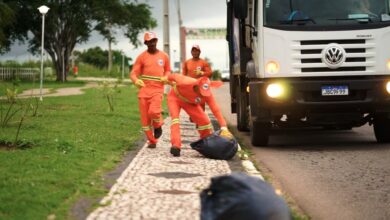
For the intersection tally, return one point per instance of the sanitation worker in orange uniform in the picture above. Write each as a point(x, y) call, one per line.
point(196, 67)
point(188, 93)
point(146, 74)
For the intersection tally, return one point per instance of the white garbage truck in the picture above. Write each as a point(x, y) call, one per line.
point(309, 63)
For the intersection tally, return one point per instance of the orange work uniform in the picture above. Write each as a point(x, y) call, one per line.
point(150, 68)
point(183, 96)
point(191, 65)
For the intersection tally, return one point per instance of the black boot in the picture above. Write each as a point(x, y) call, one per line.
point(152, 146)
point(157, 132)
point(175, 151)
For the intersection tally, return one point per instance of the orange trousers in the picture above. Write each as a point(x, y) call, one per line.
point(150, 109)
point(195, 112)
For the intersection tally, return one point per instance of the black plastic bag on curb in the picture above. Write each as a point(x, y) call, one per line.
point(216, 147)
point(241, 197)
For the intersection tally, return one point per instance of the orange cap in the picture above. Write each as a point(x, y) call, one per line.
point(149, 36)
point(196, 46)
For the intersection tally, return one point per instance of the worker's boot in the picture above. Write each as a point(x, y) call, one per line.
point(157, 132)
point(152, 145)
point(175, 151)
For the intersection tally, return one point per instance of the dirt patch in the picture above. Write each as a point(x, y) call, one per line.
point(9, 146)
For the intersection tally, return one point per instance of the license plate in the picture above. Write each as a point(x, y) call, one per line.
point(334, 90)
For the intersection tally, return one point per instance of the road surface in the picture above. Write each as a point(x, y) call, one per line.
point(330, 174)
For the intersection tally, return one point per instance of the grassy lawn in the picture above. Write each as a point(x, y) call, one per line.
point(76, 139)
point(24, 85)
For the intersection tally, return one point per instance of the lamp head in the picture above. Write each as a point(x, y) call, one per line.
point(43, 9)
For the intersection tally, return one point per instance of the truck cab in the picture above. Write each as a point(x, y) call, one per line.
point(309, 63)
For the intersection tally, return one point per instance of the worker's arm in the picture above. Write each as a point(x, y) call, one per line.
point(216, 111)
point(184, 69)
point(167, 66)
point(180, 79)
point(207, 70)
point(135, 72)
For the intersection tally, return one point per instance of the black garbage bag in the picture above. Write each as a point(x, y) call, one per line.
point(216, 147)
point(241, 197)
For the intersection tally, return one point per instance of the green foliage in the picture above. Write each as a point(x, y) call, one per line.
point(98, 57)
point(216, 75)
point(7, 18)
point(67, 160)
point(109, 90)
point(94, 56)
point(71, 22)
point(26, 64)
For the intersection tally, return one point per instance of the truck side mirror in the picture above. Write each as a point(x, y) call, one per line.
point(240, 8)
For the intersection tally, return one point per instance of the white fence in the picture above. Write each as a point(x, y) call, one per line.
point(7, 73)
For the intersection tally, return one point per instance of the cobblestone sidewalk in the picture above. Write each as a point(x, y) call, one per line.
point(157, 185)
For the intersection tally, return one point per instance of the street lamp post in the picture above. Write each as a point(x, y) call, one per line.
point(43, 10)
point(123, 65)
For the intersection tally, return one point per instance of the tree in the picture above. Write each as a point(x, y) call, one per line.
point(68, 22)
point(97, 57)
point(7, 18)
point(141, 19)
point(94, 56)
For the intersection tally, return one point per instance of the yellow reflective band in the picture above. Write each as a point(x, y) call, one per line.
point(152, 78)
point(204, 127)
point(146, 128)
point(175, 121)
point(178, 94)
point(156, 120)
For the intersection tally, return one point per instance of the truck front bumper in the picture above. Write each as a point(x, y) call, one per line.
point(304, 97)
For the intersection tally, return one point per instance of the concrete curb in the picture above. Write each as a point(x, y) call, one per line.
point(248, 165)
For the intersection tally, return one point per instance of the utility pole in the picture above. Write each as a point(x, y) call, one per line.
point(166, 27)
point(182, 34)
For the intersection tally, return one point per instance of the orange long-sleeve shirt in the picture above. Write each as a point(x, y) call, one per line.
point(191, 65)
point(149, 68)
point(183, 89)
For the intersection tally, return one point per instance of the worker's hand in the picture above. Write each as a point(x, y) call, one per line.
point(199, 72)
point(139, 83)
point(226, 133)
point(164, 79)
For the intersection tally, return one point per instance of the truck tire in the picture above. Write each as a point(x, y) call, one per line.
point(382, 129)
point(242, 109)
point(260, 133)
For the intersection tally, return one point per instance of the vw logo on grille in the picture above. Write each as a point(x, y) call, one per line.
point(333, 55)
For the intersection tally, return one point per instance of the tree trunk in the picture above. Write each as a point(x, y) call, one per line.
point(60, 59)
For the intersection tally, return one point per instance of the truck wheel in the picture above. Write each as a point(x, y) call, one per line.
point(260, 133)
point(382, 129)
point(242, 110)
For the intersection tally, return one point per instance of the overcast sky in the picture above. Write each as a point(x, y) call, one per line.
point(195, 14)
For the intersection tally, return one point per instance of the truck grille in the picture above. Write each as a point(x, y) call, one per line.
point(307, 56)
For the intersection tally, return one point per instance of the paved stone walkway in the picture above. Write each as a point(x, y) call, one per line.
point(157, 185)
point(58, 92)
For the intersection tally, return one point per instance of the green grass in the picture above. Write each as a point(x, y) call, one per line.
point(24, 85)
point(86, 70)
point(76, 140)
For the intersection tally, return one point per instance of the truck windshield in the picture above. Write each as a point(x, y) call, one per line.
point(325, 13)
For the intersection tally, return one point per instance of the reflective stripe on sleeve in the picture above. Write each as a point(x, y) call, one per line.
point(204, 127)
point(175, 121)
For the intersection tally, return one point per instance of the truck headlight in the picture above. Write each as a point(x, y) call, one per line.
point(272, 67)
point(388, 87)
point(275, 90)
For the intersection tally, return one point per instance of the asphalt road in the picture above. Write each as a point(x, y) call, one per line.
point(330, 174)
